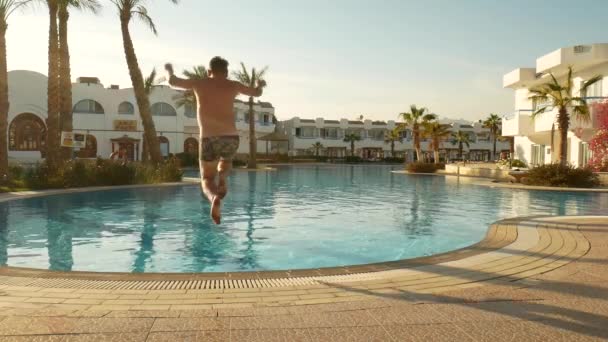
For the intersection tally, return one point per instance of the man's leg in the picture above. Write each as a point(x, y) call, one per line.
point(223, 168)
point(208, 173)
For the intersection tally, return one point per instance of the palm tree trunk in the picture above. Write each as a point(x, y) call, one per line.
point(352, 148)
point(3, 105)
point(143, 103)
point(460, 148)
point(52, 121)
point(416, 134)
point(494, 149)
point(392, 148)
point(252, 164)
point(65, 79)
point(564, 122)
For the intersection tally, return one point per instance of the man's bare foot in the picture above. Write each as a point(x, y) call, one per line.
point(216, 210)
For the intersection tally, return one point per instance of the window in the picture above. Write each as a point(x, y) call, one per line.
point(189, 111)
point(164, 146)
point(88, 107)
point(266, 119)
point(584, 154)
point(163, 109)
point(538, 155)
point(90, 150)
point(27, 132)
point(594, 90)
point(191, 146)
point(126, 108)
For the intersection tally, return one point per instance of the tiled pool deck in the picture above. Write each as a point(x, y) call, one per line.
point(531, 279)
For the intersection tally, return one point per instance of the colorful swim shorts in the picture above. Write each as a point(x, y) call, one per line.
point(216, 148)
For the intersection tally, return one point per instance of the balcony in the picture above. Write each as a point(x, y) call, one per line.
point(518, 123)
point(578, 56)
point(519, 77)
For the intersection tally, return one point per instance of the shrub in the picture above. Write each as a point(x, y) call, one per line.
point(238, 163)
point(187, 159)
point(418, 167)
point(394, 160)
point(557, 175)
point(514, 163)
point(321, 159)
point(440, 166)
point(353, 159)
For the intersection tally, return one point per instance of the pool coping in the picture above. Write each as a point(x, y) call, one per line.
point(491, 183)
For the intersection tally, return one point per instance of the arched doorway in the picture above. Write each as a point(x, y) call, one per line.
point(90, 151)
point(164, 146)
point(191, 146)
point(27, 132)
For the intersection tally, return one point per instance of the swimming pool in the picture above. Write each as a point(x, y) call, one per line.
point(292, 218)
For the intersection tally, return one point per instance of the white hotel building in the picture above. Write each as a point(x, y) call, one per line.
point(537, 140)
point(110, 118)
point(304, 133)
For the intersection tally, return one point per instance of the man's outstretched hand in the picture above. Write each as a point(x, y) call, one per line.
point(261, 84)
point(169, 69)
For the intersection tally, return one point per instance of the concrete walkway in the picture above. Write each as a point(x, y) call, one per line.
point(550, 283)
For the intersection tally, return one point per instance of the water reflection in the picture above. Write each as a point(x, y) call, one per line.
point(3, 234)
point(59, 236)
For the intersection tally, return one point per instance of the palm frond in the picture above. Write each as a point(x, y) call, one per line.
point(590, 82)
point(569, 81)
point(142, 13)
point(581, 113)
point(150, 82)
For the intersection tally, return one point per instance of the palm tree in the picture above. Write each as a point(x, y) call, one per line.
point(7, 7)
point(52, 120)
point(390, 137)
point(436, 132)
point(493, 122)
point(561, 96)
point(250, 79)
point(65, 82)
point(149, 82)
point(186, 98)
point(127, 9)
point(351, 138)
point(461, 138)
point(317, 147)
point(415, 118)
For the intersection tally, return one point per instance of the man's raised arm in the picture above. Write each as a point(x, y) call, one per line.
point(175, 81)
point(250, 91)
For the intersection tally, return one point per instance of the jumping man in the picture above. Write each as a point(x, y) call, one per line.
point(219, 139)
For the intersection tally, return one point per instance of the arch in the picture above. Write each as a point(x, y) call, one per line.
point(163, 109)
point(88, 106)
point(191, 146)
point(27, 132)
point(126, 108)
point(164, 145)
point(189, 111)
point(90, 151)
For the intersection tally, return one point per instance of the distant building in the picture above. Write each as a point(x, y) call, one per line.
point(304, 133)
point(110, 118)
point(536, 140)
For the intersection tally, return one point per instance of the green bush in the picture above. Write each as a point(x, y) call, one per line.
point(514, 163)
point(394, 160)
point(353, 159)
point(238, 163)
point(321, 159)
point(187, 159)
point(418, 167)
point(557, 175)
point(101, 172)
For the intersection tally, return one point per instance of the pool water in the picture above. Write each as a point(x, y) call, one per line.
point(295, 217)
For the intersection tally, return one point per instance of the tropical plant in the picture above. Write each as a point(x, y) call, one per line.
point(392, 136)
point(436, 132)
point(561, 96)
point(493, 123)
point(251, 79)
point(52, 120)
point(317, 147)
point(187, 98)
point(7, 7)
point(127, 9)
point(65, 75)
point(149, 83)
point(414, 119)
point(461, 138)
point(420, 167)
point(351, 138)
point(599, 142)
point(559, 175)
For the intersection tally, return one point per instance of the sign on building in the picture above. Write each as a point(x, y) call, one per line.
point(125, 125)
point(74, 140)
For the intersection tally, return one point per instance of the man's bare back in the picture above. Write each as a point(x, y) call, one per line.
point(219, 139)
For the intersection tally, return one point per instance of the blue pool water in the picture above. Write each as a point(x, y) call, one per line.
point(296, 217)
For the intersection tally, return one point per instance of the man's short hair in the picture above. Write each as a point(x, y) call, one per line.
point(218, 64)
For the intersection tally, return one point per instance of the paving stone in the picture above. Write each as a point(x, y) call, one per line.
point(183, 324)
point(427, 332)
point(42, 338)
point(411, 314)
point(270, 335)
point(144, 314)
point(113, 325)
point(189, 336)
point(349, 334)
point(267, 322)
point(130, 337)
